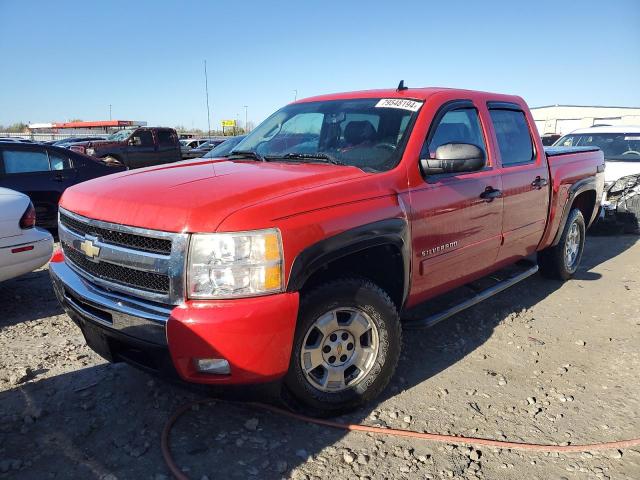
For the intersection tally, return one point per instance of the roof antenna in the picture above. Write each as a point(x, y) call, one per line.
point(401, 86)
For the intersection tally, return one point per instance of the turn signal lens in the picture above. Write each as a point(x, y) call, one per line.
point(218, 366)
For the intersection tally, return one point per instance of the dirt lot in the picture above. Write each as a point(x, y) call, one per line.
point(542, 362)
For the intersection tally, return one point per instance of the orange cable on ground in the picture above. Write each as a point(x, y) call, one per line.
point(434, 437)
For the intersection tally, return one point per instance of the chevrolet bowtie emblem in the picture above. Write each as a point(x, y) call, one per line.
point(89, 249)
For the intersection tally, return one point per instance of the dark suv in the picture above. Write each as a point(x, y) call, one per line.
point(135, 147)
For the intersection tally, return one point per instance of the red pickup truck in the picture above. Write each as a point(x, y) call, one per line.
point(295, 258)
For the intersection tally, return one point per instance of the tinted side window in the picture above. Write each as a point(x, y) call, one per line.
point(514, 140)
point(25, 161)
point(457, 126)
point(145, 136)
point(165, 138)
point(59, 161)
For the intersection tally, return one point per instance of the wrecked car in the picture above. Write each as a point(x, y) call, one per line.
point(620, 207)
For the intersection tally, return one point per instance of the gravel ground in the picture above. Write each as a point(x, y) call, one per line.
point(542, 362)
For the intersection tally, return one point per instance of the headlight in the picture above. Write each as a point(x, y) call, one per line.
point(231, 265)
point(90, 151)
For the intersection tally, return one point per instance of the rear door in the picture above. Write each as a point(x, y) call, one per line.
point(26, 169)
point(168, 146)
point(456, 232)
point(142, 150)
point(525, 181)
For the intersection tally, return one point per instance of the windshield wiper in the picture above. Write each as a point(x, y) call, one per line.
point(323, 157)
point(248, 153)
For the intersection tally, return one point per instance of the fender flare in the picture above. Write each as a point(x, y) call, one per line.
point(392, 231)
point(581, 186)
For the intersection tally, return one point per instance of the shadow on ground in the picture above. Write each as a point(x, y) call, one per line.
point(29, 297)
point(107, 419)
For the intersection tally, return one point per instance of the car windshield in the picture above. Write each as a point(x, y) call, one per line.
point(224, 149)
point(120, 135)
point(366, 133)
point(615, 146)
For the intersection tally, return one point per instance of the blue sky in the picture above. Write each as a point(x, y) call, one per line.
point(71, 59)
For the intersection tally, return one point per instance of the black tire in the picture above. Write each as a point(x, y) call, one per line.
point(360, 294)
point(553, 261)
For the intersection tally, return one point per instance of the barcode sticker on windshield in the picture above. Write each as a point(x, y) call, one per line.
point(635, 137)
point(411, 105)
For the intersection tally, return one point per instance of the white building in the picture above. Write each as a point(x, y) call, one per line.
point(562, 119)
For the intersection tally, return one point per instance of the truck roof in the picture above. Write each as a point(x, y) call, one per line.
point(422, 93)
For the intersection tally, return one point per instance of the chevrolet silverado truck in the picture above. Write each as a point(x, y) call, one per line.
point(134, 147)
point(297, 259)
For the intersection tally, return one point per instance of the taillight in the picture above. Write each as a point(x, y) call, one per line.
point(28, 219)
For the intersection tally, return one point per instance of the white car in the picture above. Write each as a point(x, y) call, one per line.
point(621, 147)
point(23, 247)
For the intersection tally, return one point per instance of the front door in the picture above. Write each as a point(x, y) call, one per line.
point(456, 226)
point(525, 182)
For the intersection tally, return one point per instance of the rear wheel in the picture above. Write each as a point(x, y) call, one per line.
point(346, 347)
point(562, 260)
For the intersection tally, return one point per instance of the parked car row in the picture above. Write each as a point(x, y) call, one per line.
point(203, 147)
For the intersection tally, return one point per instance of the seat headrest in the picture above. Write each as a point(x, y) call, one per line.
point(358, 131)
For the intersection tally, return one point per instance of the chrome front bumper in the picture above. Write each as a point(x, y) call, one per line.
point(109, 310)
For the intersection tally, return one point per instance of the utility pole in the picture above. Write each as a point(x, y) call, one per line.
point(246, 128)
point(109, 111)
point(206, 90)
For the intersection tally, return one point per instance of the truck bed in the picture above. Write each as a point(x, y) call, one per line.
point(571, 169)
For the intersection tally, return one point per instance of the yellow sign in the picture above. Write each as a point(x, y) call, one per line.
point(228, 123)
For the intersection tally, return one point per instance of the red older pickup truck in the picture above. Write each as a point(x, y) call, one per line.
point(295, 258)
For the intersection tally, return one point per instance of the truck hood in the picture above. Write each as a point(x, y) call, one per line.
point(195, 196)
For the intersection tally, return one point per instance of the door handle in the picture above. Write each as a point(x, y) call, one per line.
point(58, 177)
point(539, 182)
point(490, 193)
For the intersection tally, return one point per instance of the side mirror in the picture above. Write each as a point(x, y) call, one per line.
point(454, 158)
point(135, 141)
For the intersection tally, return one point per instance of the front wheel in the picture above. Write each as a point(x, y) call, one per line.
point(562, 261)
point(346, 347)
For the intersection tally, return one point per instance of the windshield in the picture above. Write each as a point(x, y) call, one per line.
point(120, 135)
point(615, 146)
point(224, 149)
point(366, 133)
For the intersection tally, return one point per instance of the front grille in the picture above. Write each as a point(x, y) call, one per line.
point(130, 240)
point(152, 282)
